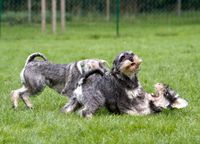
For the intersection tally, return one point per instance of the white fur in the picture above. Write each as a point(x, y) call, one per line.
point(180, 103)
point(133, 93)
point(132, 112)
point(79, 67)
point(22, 89)
point(15, 94)
point(86, 65)
point(176, 96)
point(22, 76)
point(120, 56)
point(78, 93)
point(80, 82)
point(161, 101)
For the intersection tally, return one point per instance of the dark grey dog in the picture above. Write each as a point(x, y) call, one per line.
point(119, 90)
point(63, 78)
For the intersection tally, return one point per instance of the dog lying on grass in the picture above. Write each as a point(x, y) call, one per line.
point(119, 91)
point(63, 78)
point(166, 97)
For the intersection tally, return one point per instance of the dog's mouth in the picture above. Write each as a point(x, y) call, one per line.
point(129, 64)
point(135, 66)
point(132, 64)
point(130, 67)
point(160, 101)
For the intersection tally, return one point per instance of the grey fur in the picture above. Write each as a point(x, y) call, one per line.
point(119, 90)
point(29, 59)
point(63, 78)
point(167, 97)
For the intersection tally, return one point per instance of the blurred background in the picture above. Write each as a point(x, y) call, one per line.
point(61, 14)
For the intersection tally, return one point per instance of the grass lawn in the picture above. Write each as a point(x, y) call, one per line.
point(171, 54)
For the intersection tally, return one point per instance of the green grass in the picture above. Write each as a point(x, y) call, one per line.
point(171, 54)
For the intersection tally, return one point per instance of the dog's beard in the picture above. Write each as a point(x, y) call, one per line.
point(127, 68)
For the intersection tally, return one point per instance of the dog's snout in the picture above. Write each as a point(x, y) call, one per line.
point(137, 60)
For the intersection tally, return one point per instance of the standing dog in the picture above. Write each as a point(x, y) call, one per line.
point(119, 90)
point(63, 78)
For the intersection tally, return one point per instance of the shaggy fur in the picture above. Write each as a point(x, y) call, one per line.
point(119, 91)
point(166, 97)
point(63, 78)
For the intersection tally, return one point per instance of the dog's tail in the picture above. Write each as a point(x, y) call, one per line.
point(28, 60)
point(33, 56)
point(88, 74)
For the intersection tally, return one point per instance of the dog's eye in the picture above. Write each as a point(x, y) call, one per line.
point(122, 58)
point(167, 94)
point(131, 59)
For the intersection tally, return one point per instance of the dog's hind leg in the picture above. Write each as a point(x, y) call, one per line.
point(35, 84)
point(71, 106)
point(15, 94)
point(25, 98)
point(92, 104)
point(85, 112)
point(89, 109)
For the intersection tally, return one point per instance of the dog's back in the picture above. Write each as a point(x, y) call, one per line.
point(63, 78)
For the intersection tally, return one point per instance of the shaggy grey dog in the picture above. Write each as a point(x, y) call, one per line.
point(119, 91)
point(63, 78)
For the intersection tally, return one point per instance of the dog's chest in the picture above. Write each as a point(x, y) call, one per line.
point(133, 93)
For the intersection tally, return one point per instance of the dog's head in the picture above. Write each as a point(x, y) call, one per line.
point(127, 63)
point(165, 97)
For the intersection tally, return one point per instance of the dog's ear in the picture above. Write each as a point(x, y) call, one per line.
point(114, 67)
point(179, 103)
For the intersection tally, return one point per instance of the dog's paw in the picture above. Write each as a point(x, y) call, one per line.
point(63, 110)
point(66, 110)
point(31, 108)
point(85, 114)
point(14, 107)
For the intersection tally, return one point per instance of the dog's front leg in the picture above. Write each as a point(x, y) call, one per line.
point(65, 89)
point(71, 106)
